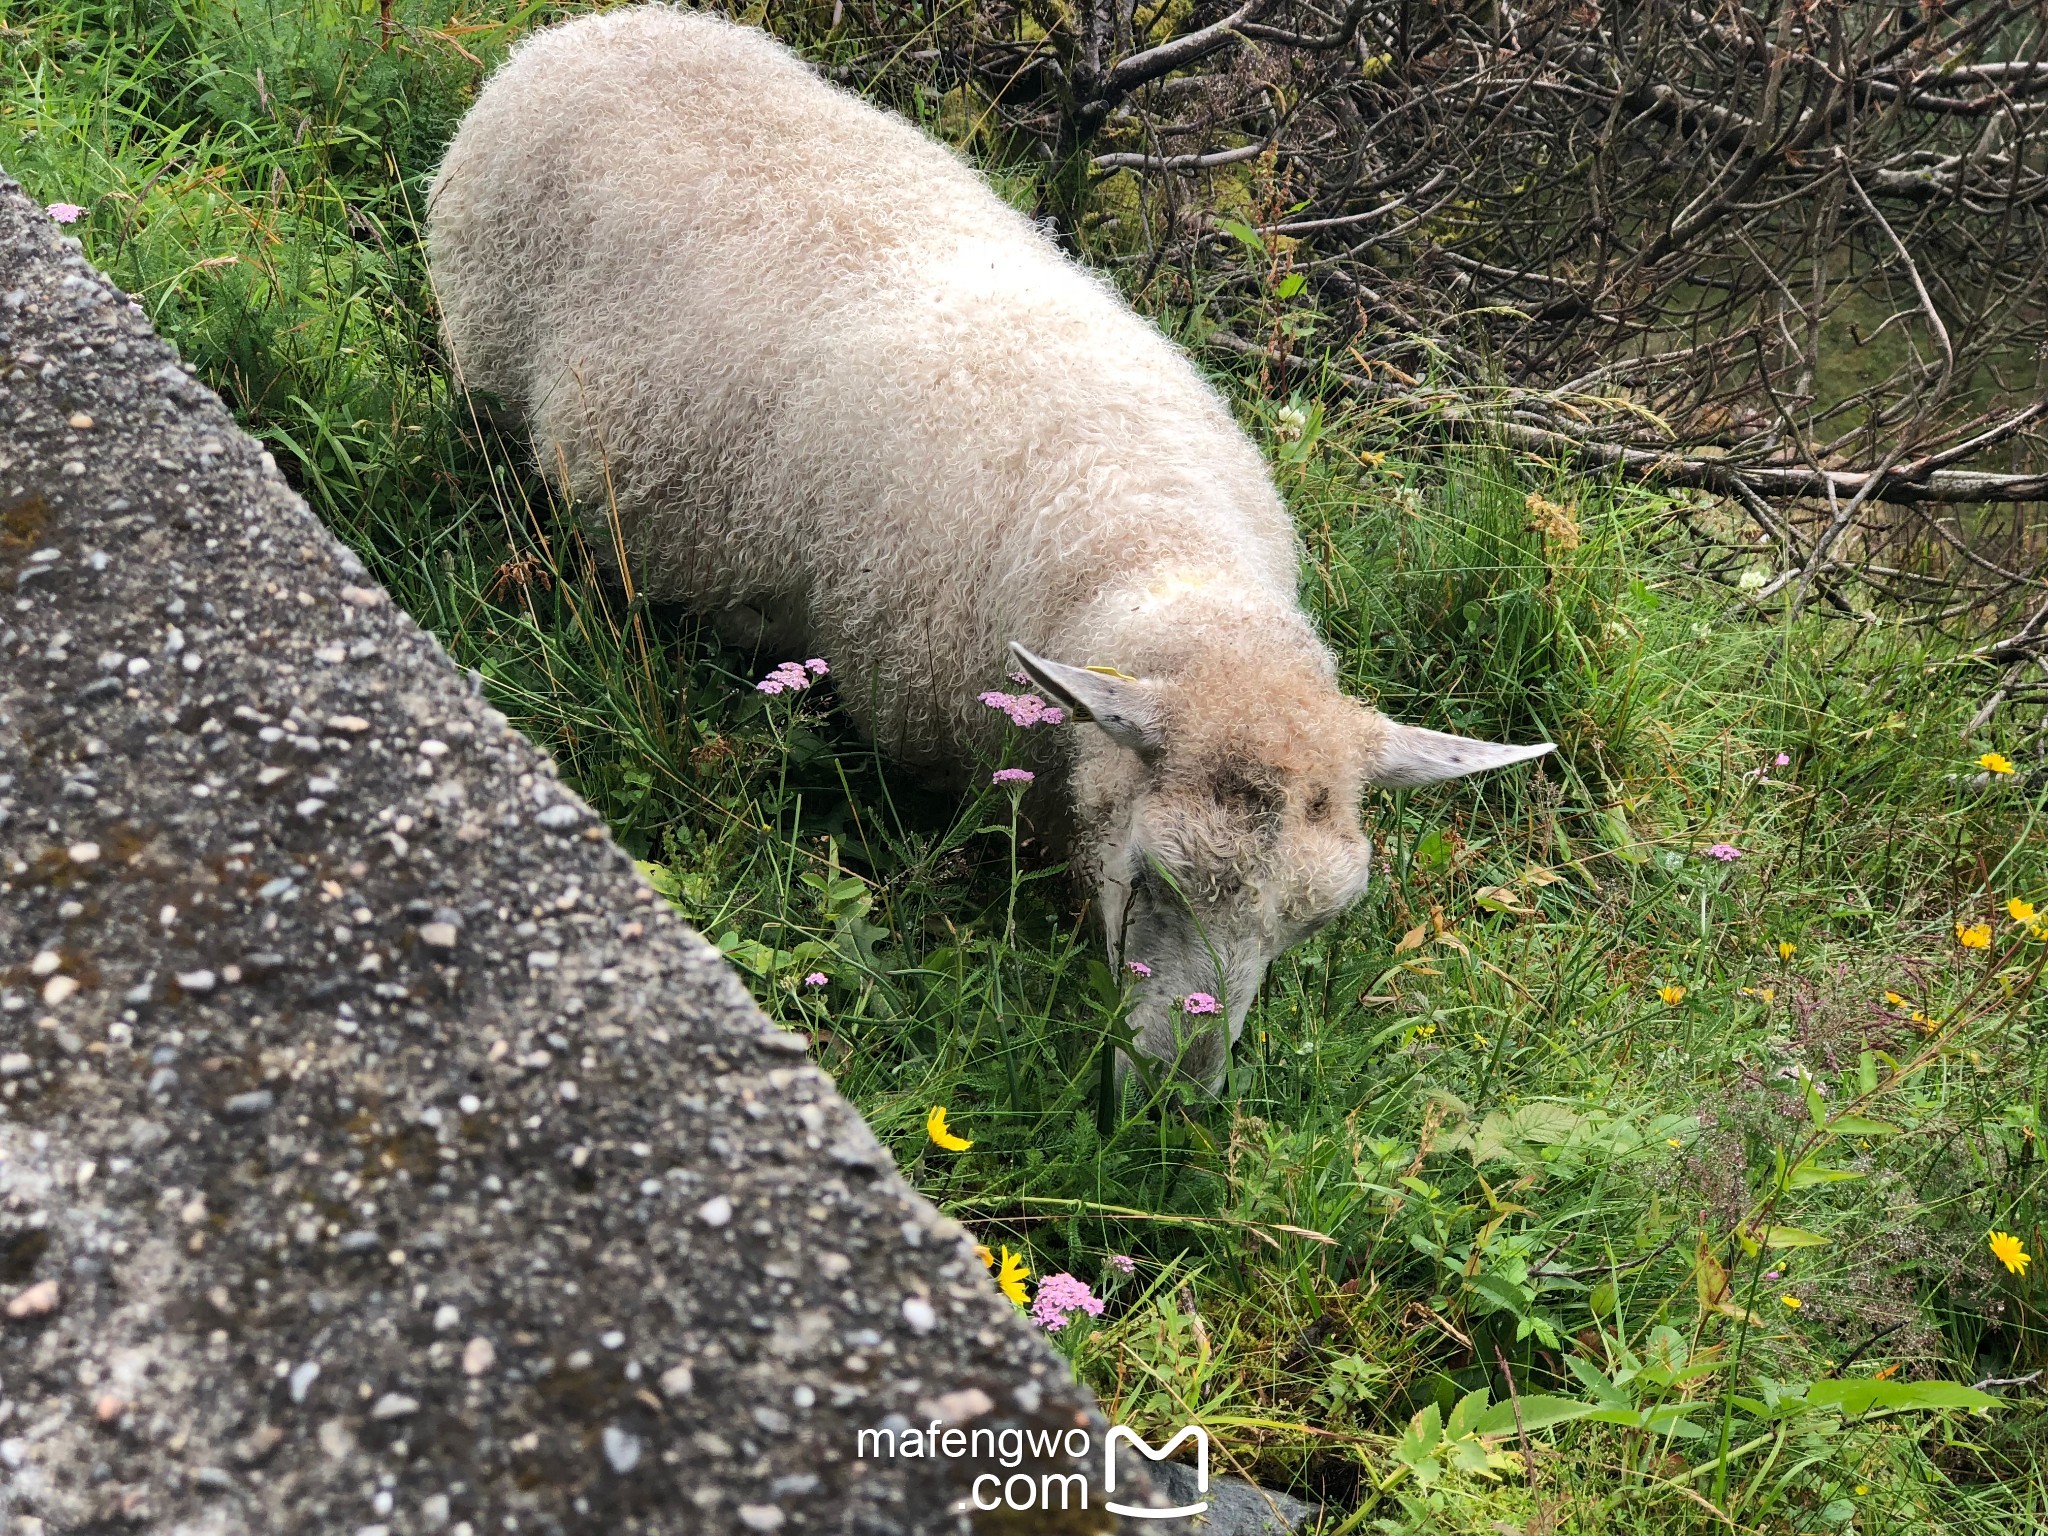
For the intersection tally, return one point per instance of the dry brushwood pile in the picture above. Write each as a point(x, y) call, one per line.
point(1791, 254)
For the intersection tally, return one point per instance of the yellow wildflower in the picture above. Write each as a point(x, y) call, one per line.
point(1793, 1302)
point(935, 1127)
point(988, 1260)
point(1673, 995)
point(1975, 936)
point(1673, 1143)
point(2021, 911)
point(2010, 1252)
point(1011, 1277)
point(1995, 762)
point(1895, 1000)
point(1787, 949)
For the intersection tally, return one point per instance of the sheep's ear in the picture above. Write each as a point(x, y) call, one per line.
point(1409, 756)
point(1126, 709)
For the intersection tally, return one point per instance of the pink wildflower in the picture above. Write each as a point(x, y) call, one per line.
point(790, 677)
point(1024, 709)
point(1022, 679)
point(817, 666)
point(1017, 776)
point(1123, 1263)
point(1727, 853)
point(1783, 759)
point(1198, 1002)
point(1138, 968)
point(1059, 1298)
point(815, 979)
point(66, 213)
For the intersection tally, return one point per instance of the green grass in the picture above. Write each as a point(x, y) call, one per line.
point(1466, 1138)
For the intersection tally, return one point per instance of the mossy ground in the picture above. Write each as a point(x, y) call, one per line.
point(1509, 1120)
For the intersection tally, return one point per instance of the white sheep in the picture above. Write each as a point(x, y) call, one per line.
point(847, 399)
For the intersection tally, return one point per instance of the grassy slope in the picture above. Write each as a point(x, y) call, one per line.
point(1523, 1158)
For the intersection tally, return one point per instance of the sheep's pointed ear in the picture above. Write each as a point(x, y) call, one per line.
point(1410, 756)
point(1126, 709)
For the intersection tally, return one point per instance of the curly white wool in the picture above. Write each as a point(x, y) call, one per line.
point(820, 366)
point(829, 379)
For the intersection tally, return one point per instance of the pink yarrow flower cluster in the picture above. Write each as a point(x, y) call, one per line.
point(1024, 709)
point(793, 676)
point(1123, 1263)
point(815, 979)
point(66, 213)
point(1059, 1298)
point(1017, 776)
point(1138, 968)
point(1727, 853)
point(1199, 1002)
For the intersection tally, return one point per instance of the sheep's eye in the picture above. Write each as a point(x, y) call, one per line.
point(1253, 796)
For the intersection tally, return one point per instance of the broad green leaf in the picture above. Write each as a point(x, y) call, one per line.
point(1424, 1434)
point(1245, 233)
point(1499, 1293)
point(1465, 1417)
point(1596, 1382)
point(1538, 1411)
point(1792, 1237)
point(1433, 851)
point(1854, 1397)
point(1857, 1125)
point(1806, 1177)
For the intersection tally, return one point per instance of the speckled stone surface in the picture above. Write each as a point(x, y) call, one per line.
point(377, 1154)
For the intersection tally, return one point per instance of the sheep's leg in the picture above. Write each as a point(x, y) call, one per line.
point(759, 627)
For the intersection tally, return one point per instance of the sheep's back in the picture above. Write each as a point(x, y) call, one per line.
point(812, 357)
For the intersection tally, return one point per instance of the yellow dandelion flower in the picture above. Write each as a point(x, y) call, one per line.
point(1793, 1302)
point(2020, 911)
point(1995, 762)
point(935, 1127)
point(1787, 949)
point(1011, 1277)
point(1974, 935)
point(2010, 1252)
point(1895, 1000)
point(1862, 1489)
point(1672, 995)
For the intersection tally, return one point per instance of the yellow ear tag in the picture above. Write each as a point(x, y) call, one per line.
point(1122, 677)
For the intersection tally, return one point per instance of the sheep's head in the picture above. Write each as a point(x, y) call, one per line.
point(1222, 828)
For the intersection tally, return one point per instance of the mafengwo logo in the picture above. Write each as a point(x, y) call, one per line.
point(1013, 1488)
point(1137, 1443)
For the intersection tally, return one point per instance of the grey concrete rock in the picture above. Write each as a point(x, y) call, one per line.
point(336, 1037)
point(1236, 1507)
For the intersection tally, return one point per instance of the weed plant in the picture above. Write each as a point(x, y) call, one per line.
point(1625, 1161)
